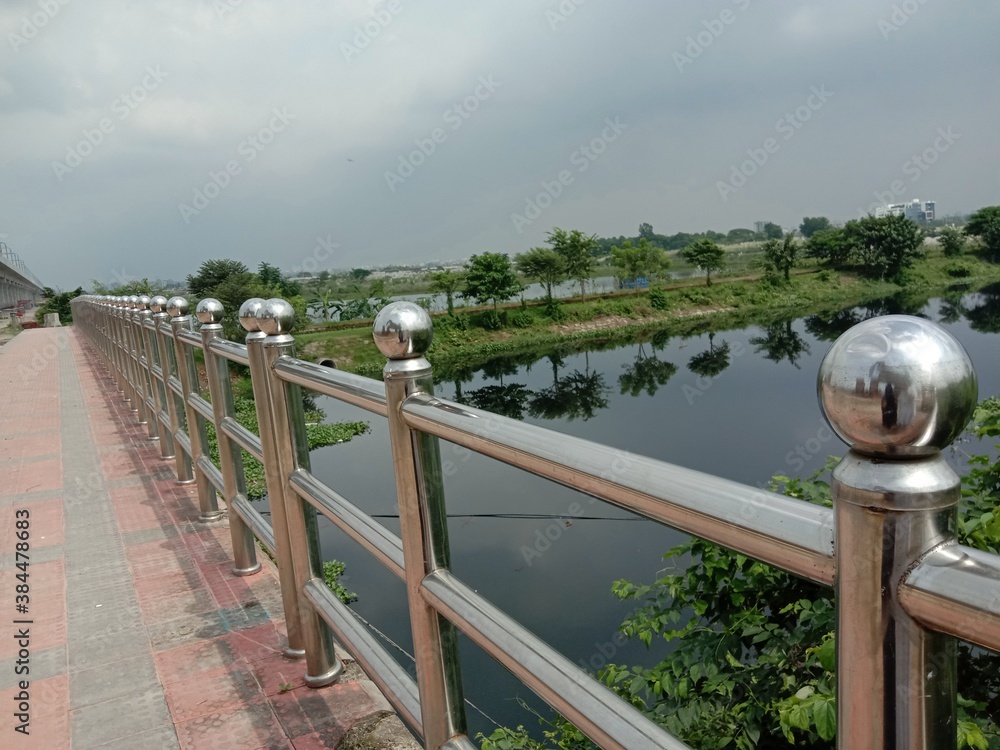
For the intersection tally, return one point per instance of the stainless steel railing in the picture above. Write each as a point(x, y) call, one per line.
point(897, 389)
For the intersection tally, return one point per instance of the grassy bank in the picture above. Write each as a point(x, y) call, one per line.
point(470, 338)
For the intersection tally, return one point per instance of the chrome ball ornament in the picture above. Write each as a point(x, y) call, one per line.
point(158, 303)
point(144, 301)
point(276, 316)
point(897, 386)
point(248, 314)
point(209, 311)
point(403, 330)
point(177, 307)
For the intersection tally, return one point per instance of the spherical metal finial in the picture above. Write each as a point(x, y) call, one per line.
point(209, 310)
point(143, 301)
point(276, 316)
point(177, 306)
point(158, 303)
point(897, 385)
point(133, 301)
point(403, 330)
point(248, 314)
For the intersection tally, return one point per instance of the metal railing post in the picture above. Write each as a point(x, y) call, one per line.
point(158, 369)
point(175, 403)
point(897, 389)
point(210, 314)
point(132, 358)
point(282, 552)
point(114, 319)
point(288, 452)
point(145, 373)
point(403, 333)
point(187, 374)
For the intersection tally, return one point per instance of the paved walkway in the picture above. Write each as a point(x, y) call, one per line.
point(136, 634)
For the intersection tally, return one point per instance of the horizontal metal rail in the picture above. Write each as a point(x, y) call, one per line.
point(397, 686)
point(182, 439)
point(189, 337)
point(212, 472)
point(357, 524)
point(345, 386)
point(557, 680)
point(781, 531)
point(243, 437)
point(231, 350)
point(201, 406)
point(956, 590)
point(257, 523)
point(175, 385)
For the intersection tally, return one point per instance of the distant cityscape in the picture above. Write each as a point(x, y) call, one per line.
point(915, 210)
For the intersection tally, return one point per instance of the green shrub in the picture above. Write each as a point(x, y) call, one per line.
point(490, 320)
point(522, 319)
point(658, 299)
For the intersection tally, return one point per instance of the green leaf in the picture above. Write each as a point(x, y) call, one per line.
point(827, 655)
point(825, 719)
point(798, 717)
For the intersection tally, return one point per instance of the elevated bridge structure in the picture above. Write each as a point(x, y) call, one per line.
point(17, 282)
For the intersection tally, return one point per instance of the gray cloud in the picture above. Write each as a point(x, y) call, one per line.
point(355, 114)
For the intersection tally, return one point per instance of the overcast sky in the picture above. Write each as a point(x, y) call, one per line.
point(141, 138)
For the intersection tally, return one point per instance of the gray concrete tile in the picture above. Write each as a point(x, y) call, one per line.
point(38, 555)
point(101, 723)
point(106, 649)
point(164, 738)
point(153, 534)
point(184, 630)
point(110, 681)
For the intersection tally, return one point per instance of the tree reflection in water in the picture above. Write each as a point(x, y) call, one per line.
point(710, 363)
point(780, 342)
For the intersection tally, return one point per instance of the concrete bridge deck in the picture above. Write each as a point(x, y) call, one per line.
point(135, 633)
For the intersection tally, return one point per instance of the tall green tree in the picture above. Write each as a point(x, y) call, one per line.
point(952, 241)
point(489, 277)
point(577, 250)
point(885, 246)
point(780, 255)
point(447, 282)
point(211, 273)
point(831, 246)
point(641, 260)
point(272, 276)
point(772, 231)
point(985, 224)
point(544, 265)
point(812, 224)
point(705, 254)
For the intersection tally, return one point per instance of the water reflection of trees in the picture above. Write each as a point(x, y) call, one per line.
point(578, 395)
point(647, 373)
point(712, 362)
point(985, 315)
point(829, 326)
point(780, 342)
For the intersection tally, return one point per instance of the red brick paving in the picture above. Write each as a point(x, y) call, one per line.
point(232, 689)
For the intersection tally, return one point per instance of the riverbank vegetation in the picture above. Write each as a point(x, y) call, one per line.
point(469, 337)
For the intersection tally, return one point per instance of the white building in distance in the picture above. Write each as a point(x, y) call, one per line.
point(915, 210)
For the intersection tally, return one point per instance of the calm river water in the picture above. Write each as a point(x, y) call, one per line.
point(738, 403)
